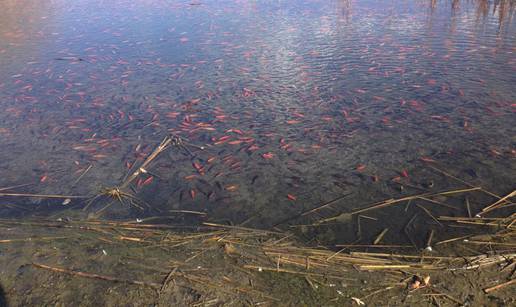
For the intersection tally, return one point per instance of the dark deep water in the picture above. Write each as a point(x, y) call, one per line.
point(296, 103)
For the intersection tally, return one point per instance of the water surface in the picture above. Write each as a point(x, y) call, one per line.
point(295, 102)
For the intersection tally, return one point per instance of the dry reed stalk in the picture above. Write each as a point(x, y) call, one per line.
point(159, 149)
point(242, 228)
point(32, 239)
point(462, 181)
point(386, 255)
point(97, 276)
point(429, 214)
point(380, 236)
point(82, 175)
point(429, 240)
point(390, 202)
point(15, 186)
point(500, 286)
point(437, 202)
point(274, 269)
point(499, 203)
point(368, 267)
point(457, 301)
point(324, 205)
point(373, 246)
point(43, 195)
point(209, 283)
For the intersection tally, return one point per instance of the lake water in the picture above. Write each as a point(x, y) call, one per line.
point(294, 103)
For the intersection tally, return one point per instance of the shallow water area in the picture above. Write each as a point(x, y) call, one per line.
point(280, 108)
point(254, 152)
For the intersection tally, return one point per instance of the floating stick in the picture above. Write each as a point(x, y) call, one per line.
point(380, 236)
point(82, 175)
point(15, 186)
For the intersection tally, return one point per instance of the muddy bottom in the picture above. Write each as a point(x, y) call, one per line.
point(100, 263)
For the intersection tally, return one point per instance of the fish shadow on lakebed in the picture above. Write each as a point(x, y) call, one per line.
point(3, 300)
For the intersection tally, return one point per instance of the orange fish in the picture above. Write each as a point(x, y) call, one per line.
point(268, 155)
point(360, 167)
point(426, 159)
point(236, 142)
point(231, 188)
point(147, 181)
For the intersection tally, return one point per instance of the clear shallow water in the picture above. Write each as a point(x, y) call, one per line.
point(296, 102)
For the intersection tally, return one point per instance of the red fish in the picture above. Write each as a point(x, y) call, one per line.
point(291, 197)
point(147, 181)
point(426, 159)
point(192, 193)
point(360, 167)
point(268, 155)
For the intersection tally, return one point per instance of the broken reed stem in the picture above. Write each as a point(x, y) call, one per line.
point(386, 255)
point(392, 201)
point(41, 195)
point(462, 181)
point(429, 214)
point(161, 147)
point(456, 300)
point(489, 243)
point(97, 276)
point(324, 205)
point(82, 175)
point(241, 228)
point(15, 186)
point(380, 236)
point(406, 230)
point(373, 246)
point(468, 207)
point(502, 285)
point(188, 212)
point(32, 239)
point(498, 203)
point(452, 240)
point(275, 269)
point(369, 267)
point(437, 202)
point(429, 240)
point(384, 289)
